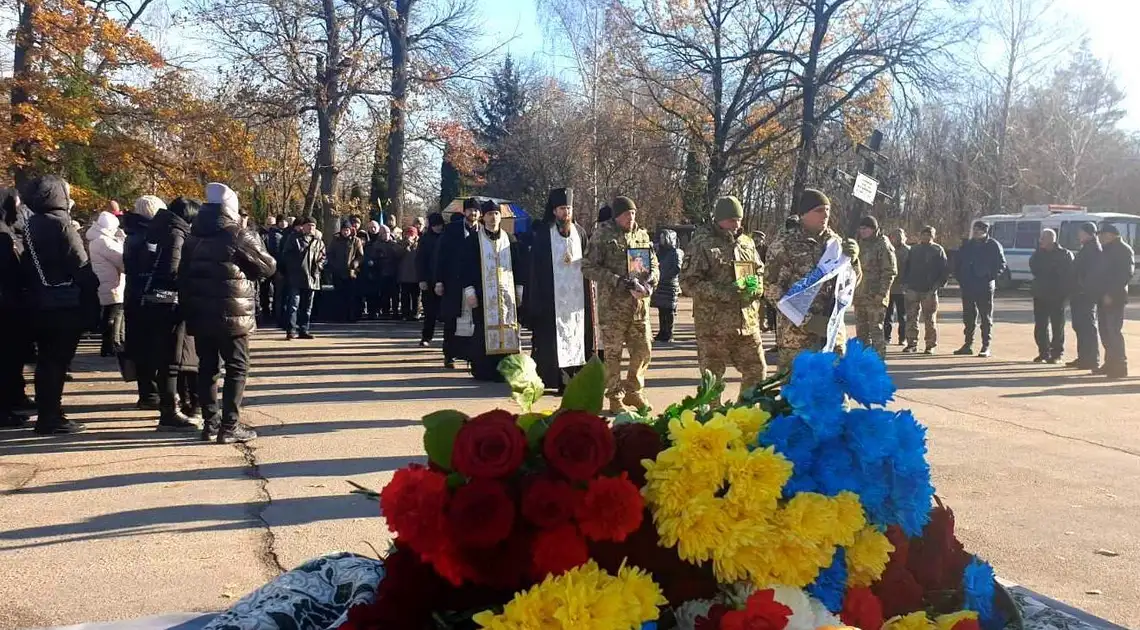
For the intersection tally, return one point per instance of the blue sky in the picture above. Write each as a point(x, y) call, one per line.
point(1109, 24)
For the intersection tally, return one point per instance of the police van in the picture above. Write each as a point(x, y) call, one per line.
point(1019, 234)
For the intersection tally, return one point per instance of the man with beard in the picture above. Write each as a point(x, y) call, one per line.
point(491, 279)
point(449, 274)
point(558, 310)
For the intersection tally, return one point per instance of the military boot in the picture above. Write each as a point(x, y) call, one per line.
point(616, 406)
point(636, 400)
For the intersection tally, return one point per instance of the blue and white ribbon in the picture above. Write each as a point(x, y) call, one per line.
point(834, 264)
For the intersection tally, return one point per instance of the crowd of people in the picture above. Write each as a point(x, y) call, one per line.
point(176, 290)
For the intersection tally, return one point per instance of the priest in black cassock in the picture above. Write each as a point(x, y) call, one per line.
point(492, 281)
point(558, 300)
point(448, 272)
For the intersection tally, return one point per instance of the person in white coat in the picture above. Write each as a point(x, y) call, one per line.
point(106, 249)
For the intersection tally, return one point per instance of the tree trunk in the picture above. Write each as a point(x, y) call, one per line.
point(329, 112)
point(808, 123)
point(22, 61)
point(398, 37)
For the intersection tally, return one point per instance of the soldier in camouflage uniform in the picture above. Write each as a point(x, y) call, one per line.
point(793, 255)
point(727, 320)
point(623, 301)
point(877, 260)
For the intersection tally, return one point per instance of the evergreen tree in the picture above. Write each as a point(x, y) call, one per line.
point(501, 105)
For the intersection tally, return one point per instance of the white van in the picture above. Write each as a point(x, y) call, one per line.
point(1019, 234)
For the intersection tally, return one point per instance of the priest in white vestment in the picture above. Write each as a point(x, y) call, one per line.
point(491, 295)
point(558, 305)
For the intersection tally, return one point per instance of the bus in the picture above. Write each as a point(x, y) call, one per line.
point(1019, 234)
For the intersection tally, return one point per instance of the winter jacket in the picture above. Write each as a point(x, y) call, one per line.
point(1052, 273)
point(345, 254)
point(274, 239)
point(106, 253)
point(880, 267)
point(12, 225)
point(425, 257)
point(165, 240)
point(408, 273)
point(1088, 272)
point(134, 256)
point(217, 275)
point(669, 287)
point(382, 259)
point(980, 263)
point(926, 268)
point(1119, 265)
point(902, 255)
point(302, 260)
point(57, 245)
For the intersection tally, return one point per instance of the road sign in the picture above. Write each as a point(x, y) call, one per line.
point(865, 188)
point(868, 153)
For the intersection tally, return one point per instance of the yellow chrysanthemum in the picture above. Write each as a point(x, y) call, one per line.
point(756, 479)
point(810, 516)
point(702, 441)
point(947, 622)
point(750, 420)
point(849, 517)
point(913, 621)
point(867, 557)
point(798, 560)
point(642, 595)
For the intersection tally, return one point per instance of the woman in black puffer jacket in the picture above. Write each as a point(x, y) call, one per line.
point(136, 267)
point(217, 285)
point(170, 350)
point(669, 288)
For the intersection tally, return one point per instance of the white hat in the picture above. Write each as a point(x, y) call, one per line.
point(148, 206)
point(224, 197)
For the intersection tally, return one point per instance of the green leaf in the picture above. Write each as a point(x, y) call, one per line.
point(439, 437)
point(586, 391)
point(538, 429)
point(527, 420)
point(521, 373)
point(454, 480)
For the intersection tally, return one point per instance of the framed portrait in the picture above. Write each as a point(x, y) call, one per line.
point(639, 262)
point(744, 269)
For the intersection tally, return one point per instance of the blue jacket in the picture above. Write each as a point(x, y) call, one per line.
point(979, 264)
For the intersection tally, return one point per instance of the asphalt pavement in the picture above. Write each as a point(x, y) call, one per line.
point(1039, 463)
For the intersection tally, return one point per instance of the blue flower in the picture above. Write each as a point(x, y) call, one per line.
point(814, 394)
point(835, 469)
point(649, 625)
point(792, 438)
point(831, 583)
point(871, 433)
point(978, 583)
point(911, 435)
point(863, 375)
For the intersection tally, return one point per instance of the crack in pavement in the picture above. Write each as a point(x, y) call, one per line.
point(268, 553)
point(983, 416)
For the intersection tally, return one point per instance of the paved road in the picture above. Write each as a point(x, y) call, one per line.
point(1040, 465)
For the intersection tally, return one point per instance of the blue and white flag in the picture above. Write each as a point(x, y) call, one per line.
point(834, 264)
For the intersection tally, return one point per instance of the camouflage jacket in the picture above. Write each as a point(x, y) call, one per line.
point(792, 256)
point(709, 276)
point(877, 260)
point(606, 262)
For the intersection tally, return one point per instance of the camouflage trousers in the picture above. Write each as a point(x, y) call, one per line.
point(633, 336)
point(927, 303)
point(794, 339)
point(869, 326)
point(744, 352)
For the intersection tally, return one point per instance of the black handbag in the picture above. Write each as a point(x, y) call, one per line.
point(52, 297)
point(164, 297)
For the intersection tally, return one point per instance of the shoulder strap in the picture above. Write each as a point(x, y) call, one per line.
point(36, 259)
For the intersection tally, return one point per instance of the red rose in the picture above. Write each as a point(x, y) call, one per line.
point(635, 442)
point(713, 619)
point(899, 593)
point(558, 550)
point(861, 609)
point(761, 612)
point(504, 567)
point(404, 598)
point(548, 502)
point(481, 514)
point(578, 445)
point(490, 446)
point(414, 503)
point(610, 509)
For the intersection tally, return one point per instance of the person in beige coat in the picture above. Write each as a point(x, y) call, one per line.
point(106, 251)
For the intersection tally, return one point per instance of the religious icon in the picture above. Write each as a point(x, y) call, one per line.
point(639, 262)
point(744, 268)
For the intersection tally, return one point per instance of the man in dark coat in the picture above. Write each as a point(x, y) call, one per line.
point(169, 349)
point(491, 275)
point(447, 280)
point(1088, 283)
point(55, 260)
point(13, 312)
point(981, 261)
point(557, 306)
point(1119, 265)
point(302, 260)
point(1052, 268)
point(345, 257)
point(665, 296)
point(425, 272)
point(217, 276)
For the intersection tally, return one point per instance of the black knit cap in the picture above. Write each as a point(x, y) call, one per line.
point(435, 218)
point(605, 213)
point(470, 203)
point(622, 205)
point(1089, 228)
point(870, 222)
point(309, 220)
point(811, 199)
point(1109, 228)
